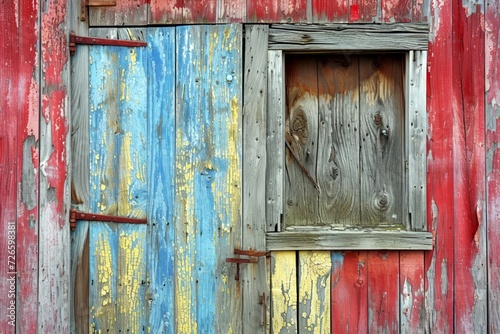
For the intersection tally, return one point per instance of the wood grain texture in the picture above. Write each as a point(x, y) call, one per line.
point(381, 108)
point(80, 169)
point(231, 11)
point(301, 137)
point(314, 292)
point(125, 13)
point(275, 148)
point(412, 292)
point(349, 37)
point(118, 183)
point(492, 69)
point(53, 232)
point(396, 10)
point(263, 11)
point(284, 294)
point(19, 166)
point(349, 292)
point(161, 171)
point(254, 176)
point(208, 181)
point(324, 239)
point(383, 292)
point(324, 11)
point(469, 166)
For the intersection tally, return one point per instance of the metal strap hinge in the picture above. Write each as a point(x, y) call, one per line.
point(253, 257)
point(75, 215)
point(94, 3)
point(74, 40)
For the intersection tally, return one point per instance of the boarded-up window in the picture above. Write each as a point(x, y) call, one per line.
point(344, 133)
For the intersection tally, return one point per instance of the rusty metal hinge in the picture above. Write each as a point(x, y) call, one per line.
point(75, 215)
point(94, 3)
point(253, 257)
point(74, 40)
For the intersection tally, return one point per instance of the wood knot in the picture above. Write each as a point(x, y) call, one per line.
point(299, 128)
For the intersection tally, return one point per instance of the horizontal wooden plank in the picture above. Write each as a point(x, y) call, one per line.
point(321, 239)
point(359, 37)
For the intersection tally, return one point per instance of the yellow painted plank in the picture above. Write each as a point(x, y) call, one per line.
point(284, 292)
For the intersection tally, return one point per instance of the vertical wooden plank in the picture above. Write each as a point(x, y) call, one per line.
point(165, 12)
point(195, 11)
point(325, 11)
point(254, 176)
point(284, 295)
point(439, 263)
point(416, 127)
point(421, 11)
point(396, 10)
point(365, 11)
point(381, 157)
point(274, 142)
point(469, 167)
point(20, 115)
point(125, 13)
point(53, 233)
point(263, 11)
point(301, 136)
point(294, 11)
point(231, 11)
point(161, 169)
point(349, 292)
point(208, 181)
point(338, 167)
point(492, 68)
point(383, 292)
point(80, 165)
point(314, 292)
point(118, 184)
point(412, 292)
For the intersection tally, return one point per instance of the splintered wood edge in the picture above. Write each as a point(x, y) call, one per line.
point(349, 240)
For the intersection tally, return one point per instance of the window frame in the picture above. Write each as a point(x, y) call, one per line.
point(410, 39)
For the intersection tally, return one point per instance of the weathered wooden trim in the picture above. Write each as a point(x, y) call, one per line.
point(254, 175)
point(352, 37)
point(284, 294)
point(315, 239)
point(275, 140)
point(416, 134)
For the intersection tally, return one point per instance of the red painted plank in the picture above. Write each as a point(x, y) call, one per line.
point(19, 166)
point(294, 11)
point(196, 11)
point(492, 66)
point(126, 12)
point(365, 11)
point(349, 292)
point(332, 11)
point(383, 292)
point(420, 11)
point(263, 11)
point(439, 262)
point(469, 157)
point(231, 11)
point(396, 10)
point(412, 292)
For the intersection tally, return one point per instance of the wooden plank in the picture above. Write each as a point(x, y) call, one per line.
point(381, 108)
point(349, 292)
point(347, 240)
point(421, 11)
point(126, 12)
point(349, 37)
point(412, 292)
point(231, 11)
point(314, 292)
point(195, 11)
point(396, 10)
point(367, 11)
point(339, 140)
point(284, 294)
point(468, 108)
point(79, 174)
point(254, 177)
point(383, 292)
point(118, 184)
point(19, 165)
point(301, 137)
point(492, 69)
point(275, 146)
point(161, 171)
point(263, 11)
point(165, 12)
point(53, 232)
point(416, 127)
point(208, 181)
point(324, 11)
point(440, 179)
point(295, 11)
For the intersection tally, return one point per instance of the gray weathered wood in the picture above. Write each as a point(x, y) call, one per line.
point(253, 280)
point(126, 12)
point(349, 37)
point(381, 156)
point(327, 239)
point(79, 174)
point(275, 136)
point(416, 123)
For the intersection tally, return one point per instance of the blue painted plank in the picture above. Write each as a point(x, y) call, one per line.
point(161, 172)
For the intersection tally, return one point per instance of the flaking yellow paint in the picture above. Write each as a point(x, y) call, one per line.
point(284, 291)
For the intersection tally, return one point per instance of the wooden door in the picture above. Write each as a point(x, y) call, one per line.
point(165, 144)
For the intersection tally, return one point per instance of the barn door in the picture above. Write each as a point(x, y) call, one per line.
point(165, 128)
